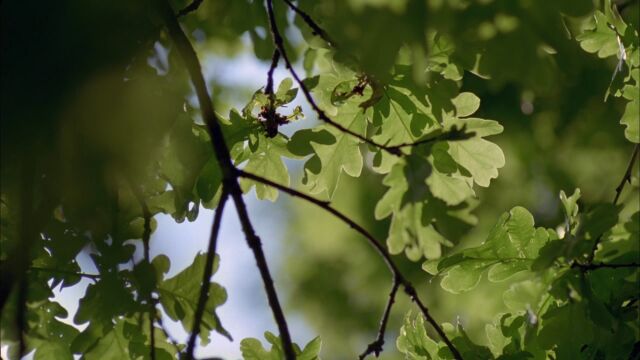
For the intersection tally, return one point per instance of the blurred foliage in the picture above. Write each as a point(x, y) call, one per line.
point(511, 102)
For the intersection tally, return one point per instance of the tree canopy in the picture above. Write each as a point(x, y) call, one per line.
point(462, 180)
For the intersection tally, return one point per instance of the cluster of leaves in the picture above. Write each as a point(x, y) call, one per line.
point(607, 35)
point(561, 306)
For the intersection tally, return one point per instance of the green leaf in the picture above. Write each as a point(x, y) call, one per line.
point(570, 205)
point(114, 345)
point(466, 104)
point(413, 340)
point(285, 94)
point(53, 351)
point(452, 190)
point(599, 38)
point(266, 161)
point(631, 117)
point(335, 152)
point(567, 329)
point(179, 297)
point(480, 157)
point(252, 349)
point(415, 343)
point(511, 247)
point(408, 199)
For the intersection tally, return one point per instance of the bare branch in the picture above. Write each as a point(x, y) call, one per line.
point(376, 346)
point(274, 63)
point(206, 276)
point(279, 43)
point(382, 251)
point(229, 176)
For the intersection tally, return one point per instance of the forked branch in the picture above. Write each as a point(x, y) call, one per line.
point(229, 176)
point(382, 251)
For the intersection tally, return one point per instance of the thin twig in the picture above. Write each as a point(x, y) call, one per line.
point(376, 346)
point(625, 178)
point(229, 176)
point(317, 30)
point(193, 6)
point(627, 175)
point(206, 276)
point(382, 251)
point(279, 43)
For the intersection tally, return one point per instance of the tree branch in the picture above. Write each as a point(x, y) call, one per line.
point(193, 6)
point(382, 251)
point(206, 276)
point(279, 43)
point(627, 175)
point(274, 63)
point(317, 30)
point(376, 346)
point(229, 176)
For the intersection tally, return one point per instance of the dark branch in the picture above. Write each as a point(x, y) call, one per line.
point(627, 175)
point(595, 266)
point(229, 176)
point(206, 276)
point(376, 346)
point(193, 6)
point(317, 30)
point(274, 63)
point(279, 43)
point(382, 251)
point(625, 178)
